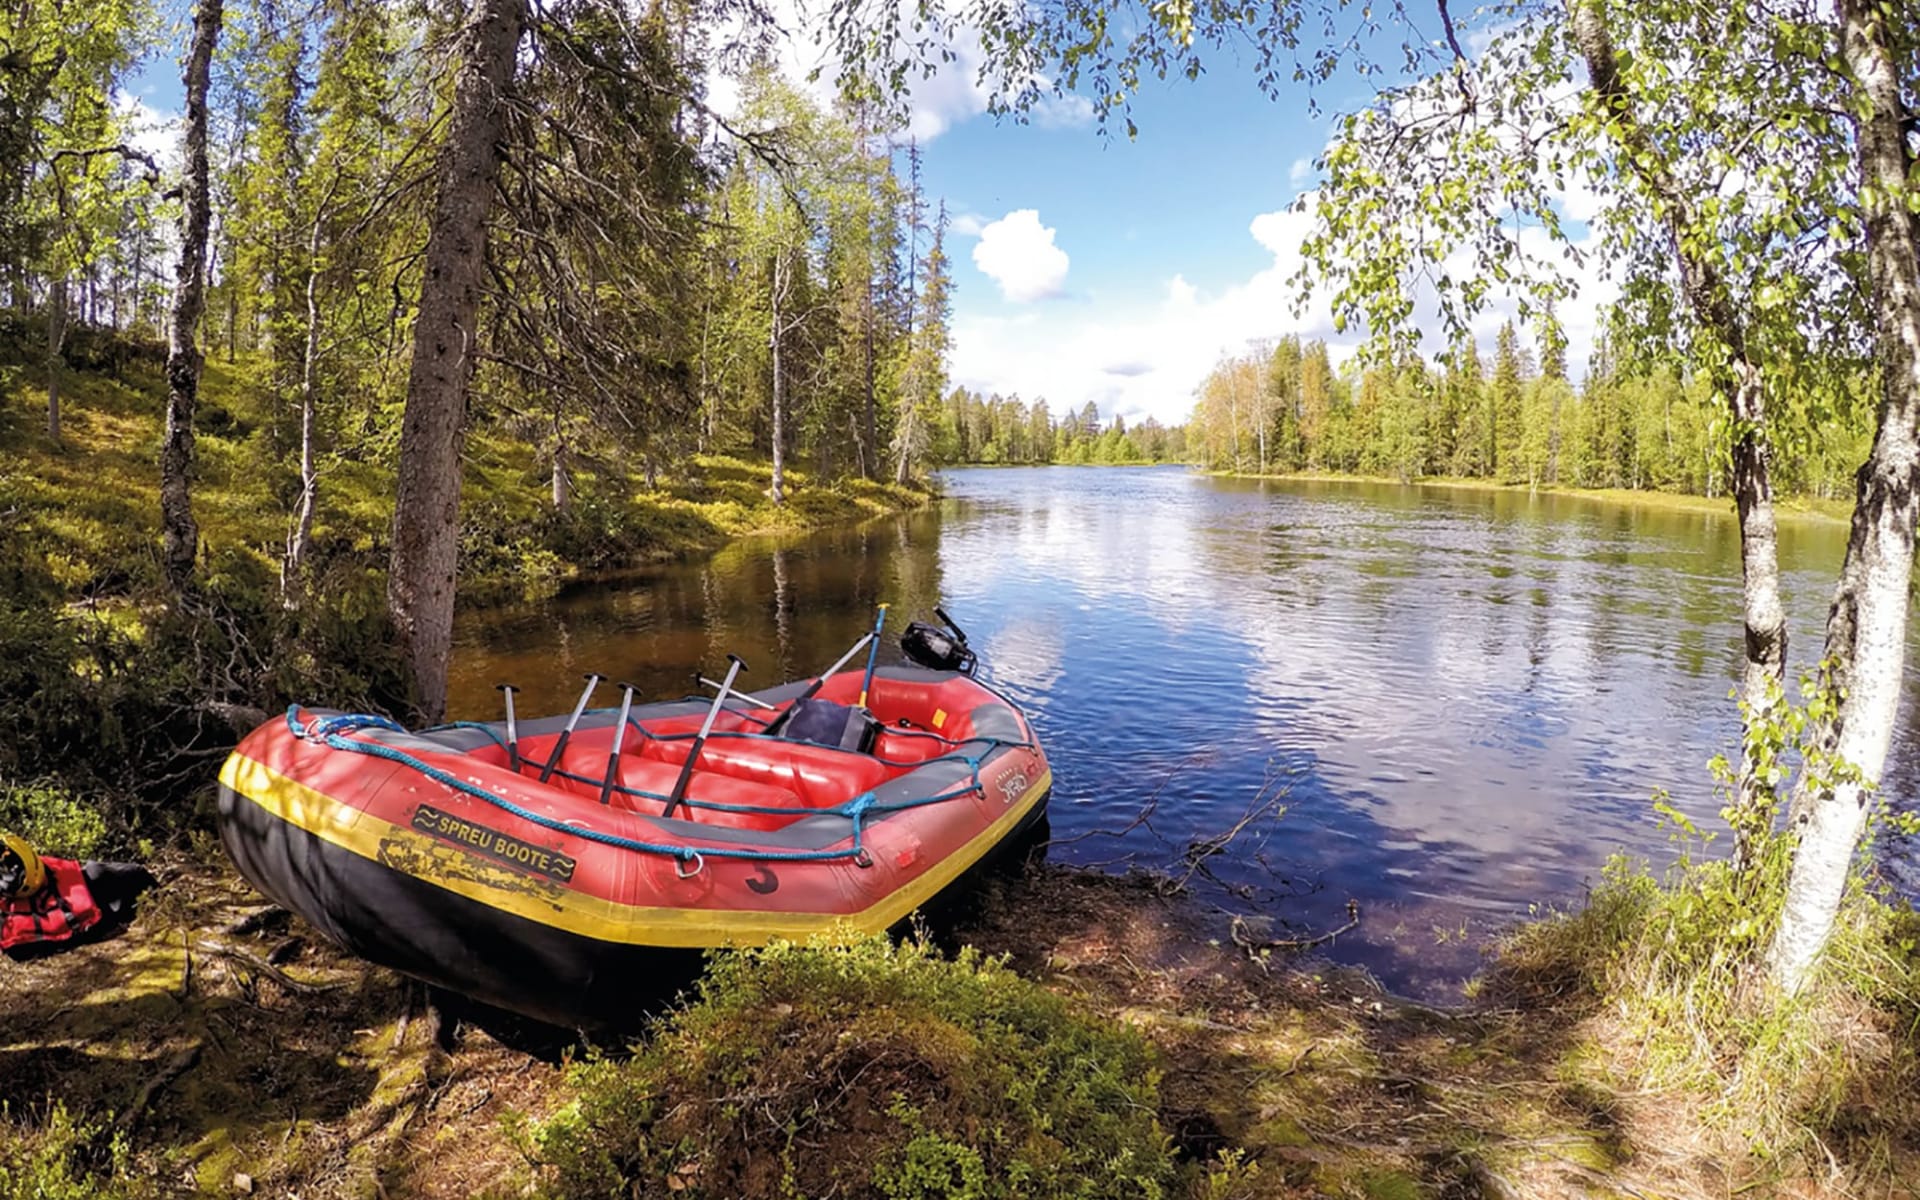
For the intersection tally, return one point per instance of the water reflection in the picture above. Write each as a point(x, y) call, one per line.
point(1468, 696)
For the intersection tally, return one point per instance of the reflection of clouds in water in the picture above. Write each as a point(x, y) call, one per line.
point(1026, 656)
point(1124, 538)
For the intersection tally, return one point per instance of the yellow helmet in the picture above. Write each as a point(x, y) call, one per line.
point(33, 873)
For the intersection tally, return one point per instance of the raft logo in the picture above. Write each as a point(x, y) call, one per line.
point(493, 844)
point(1013, 785)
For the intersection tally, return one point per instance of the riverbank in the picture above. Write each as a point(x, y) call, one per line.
point(91, 499)
point(237, 1053)
point(1792, 507)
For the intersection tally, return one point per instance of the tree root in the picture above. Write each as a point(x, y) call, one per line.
point(180, 1065)
point(261, 966)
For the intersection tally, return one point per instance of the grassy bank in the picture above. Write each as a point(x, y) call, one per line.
point(324, 1077)
point(1797, 507)
point(114, 691)
point(92, 498)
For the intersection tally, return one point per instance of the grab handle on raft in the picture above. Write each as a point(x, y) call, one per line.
point(679, 792)
point(560, 743)
point(619, 736)
point(819, 681)
point(513, 729)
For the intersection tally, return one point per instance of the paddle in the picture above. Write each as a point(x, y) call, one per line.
point(819, 681)
point(756, 701)
point(873, 654)
point(560, 743)
point(513, 730)
point(679, 792)
point(619, 736)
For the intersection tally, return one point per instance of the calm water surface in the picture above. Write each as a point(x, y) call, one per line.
point(1462, 699)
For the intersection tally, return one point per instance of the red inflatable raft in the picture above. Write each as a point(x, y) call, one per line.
point(444, 855)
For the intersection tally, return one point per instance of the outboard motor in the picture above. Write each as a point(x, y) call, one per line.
point(938, 649)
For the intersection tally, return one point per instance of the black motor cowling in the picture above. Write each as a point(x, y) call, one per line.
point(938, 649)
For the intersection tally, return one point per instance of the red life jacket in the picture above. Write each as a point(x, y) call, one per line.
point(61, 908)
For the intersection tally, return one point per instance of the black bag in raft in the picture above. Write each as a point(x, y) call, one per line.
point(825, 723)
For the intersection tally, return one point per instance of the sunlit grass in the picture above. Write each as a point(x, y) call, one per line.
point(94, 494)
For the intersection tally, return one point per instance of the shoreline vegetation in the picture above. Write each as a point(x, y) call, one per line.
point(1572, 1068)
point(272, 1064)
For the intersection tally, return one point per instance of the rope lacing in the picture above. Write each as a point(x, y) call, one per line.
point(334, 732)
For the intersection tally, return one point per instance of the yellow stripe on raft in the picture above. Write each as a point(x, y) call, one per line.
point(596, 917)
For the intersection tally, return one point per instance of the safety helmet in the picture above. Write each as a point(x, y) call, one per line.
point(21, 871)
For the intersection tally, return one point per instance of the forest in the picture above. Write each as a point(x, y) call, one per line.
point(348, 264)
point(993, 430)
point(1510, 416)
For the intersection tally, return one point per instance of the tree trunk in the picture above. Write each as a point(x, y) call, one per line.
point(562, 485)
point(778, 492)
point(907, 433)
point(293, 585)
point(869, 428)
point(1865, 651)
point(1741, 384)
point(56, 337)
point(426, 517)
point(1765, 618)
point(180, 535)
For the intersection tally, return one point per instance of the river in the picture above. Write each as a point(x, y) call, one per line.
point(1446, 705)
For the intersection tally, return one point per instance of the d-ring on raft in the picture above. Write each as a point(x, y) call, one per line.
point(442, 853)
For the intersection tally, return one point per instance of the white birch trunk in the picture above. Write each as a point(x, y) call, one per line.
point(1866, 627)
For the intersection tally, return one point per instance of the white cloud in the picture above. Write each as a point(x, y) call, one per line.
point(1017, 252)
point(148, 129)
point(1301, 173)
point(952, 96)
point(1069, 111)
point(966, 224)
point(1169, 337)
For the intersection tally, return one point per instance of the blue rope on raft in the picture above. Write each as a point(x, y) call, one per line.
point(332, 732)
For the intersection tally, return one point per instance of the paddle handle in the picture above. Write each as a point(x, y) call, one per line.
point(873, 653)
point(679, 793)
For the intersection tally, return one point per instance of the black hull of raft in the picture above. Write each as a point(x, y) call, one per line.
point(444, 940)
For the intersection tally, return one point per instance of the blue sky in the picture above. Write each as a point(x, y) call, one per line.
point(1153, 230)
point(1103, 268)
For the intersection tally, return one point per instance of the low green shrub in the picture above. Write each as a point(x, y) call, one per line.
point(866, 1070)
point(1673, 971)
point(52, 820)
point(61, 1158)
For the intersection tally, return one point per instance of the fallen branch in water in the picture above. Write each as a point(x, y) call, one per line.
point(1254, 946)
point(261, 966)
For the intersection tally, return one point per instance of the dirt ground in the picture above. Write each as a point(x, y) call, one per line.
point(244, 1056)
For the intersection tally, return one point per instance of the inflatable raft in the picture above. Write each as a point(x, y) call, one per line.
point(548, 867)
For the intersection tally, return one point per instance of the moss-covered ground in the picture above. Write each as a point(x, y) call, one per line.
point(93, 494)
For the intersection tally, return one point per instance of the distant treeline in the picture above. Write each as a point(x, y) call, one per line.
point(972, 428)
point(1516, 420)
